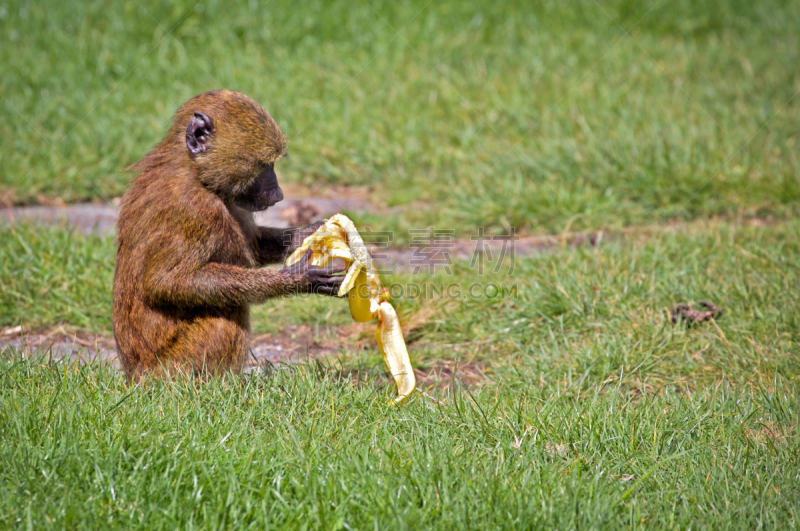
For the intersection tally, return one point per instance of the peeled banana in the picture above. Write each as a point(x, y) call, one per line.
point(338, 238)
point(358, 302)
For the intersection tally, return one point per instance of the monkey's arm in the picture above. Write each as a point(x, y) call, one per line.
point(274, 245)
point(187, 281)
point(216, 285)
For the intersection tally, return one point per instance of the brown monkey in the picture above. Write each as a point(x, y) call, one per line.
point(188, 251)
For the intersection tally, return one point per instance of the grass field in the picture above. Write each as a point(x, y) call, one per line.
point(595, 410)
point(576, 403)
point(533, 115)
point(305, 449)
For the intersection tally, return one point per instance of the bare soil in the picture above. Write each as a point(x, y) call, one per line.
point(102, 218)
point(295, 343)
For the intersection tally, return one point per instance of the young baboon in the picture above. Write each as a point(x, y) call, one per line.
point(188, 251)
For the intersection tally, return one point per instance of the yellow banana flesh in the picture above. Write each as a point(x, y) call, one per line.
point(359, 304)
point(338, 238)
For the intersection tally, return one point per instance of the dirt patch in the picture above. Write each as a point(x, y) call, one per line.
point(302, 209)
point(692, 316)
point(489, 252)
point(86, 217)
point(295, 343)
point(60, 343)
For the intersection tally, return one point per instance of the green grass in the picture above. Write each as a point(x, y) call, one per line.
point(304, 449)
point(52, 276)
point(596, 411)
point(536, 115)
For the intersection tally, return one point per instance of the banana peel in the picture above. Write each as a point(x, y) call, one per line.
point(395, 354)
point(367, 299)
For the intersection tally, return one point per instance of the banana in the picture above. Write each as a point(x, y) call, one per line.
point(358, 302)
point(338, 238)
point(393, 348)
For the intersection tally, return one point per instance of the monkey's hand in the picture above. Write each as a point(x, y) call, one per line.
point(300, 234)
point(324, 280)
point(274, 245)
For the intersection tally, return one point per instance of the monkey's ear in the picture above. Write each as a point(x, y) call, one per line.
point(198, 132)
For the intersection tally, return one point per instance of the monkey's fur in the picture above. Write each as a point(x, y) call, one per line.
point(188, 250)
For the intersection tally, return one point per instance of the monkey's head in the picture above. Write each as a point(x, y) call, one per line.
point(233, 144)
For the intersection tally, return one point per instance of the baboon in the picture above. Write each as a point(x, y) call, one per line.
point(188, 250)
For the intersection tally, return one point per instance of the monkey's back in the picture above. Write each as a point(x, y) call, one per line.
point(167, 220)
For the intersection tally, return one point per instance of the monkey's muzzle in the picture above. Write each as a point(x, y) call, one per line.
point(263, 193)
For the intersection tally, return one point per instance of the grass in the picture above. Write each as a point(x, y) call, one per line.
point(306, 449)
point(52, 275)
point(575, 403)
point(596, 410)
point(538, 116)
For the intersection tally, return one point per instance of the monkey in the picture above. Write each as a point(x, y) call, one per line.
point(189, 254)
